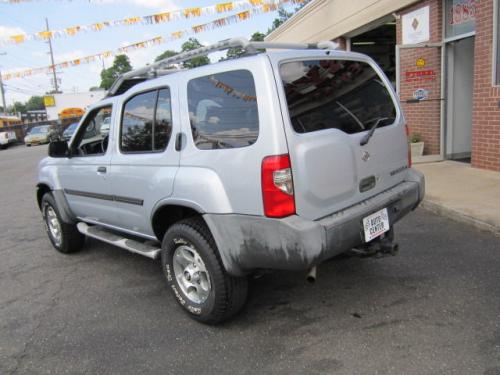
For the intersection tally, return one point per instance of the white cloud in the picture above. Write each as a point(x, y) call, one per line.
point(65, 56)
point(6, 31)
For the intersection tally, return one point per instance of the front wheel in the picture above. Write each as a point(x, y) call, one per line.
point(64, 237)
point(196, 276)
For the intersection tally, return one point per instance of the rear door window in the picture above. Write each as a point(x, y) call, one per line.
point(223, 110)
point(335, 94)
point(147, 122)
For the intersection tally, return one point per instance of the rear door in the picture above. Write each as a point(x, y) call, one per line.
point(330, 102)
point(145, 161)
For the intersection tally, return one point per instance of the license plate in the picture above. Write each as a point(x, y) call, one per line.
point(376, 224)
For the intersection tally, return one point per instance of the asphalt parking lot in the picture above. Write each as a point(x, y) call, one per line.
point(433, 309)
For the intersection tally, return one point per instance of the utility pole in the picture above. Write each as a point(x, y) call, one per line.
point(1, 87)
point(3, 94)
point(52, 57)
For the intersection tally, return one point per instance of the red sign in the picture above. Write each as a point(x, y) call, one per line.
point(462, 12)
point(420, 75)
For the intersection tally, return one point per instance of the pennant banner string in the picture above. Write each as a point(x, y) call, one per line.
point(152, 19)
point(220, 22)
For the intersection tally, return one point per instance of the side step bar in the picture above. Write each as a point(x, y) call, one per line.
point(134, 246)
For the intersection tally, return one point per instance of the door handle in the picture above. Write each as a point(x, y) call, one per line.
point(101, 169)
point(178, 142)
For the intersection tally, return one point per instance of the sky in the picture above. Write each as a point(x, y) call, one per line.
point(29, 17)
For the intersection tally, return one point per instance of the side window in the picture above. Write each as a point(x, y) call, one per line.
point(92, 136)
point(147, 122)
point(163, 120)
point(137, 123)
point(223, 110)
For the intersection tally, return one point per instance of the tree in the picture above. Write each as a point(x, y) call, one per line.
point(35, 103)
point(121, 65)
point(283, 15)
point(235, 52)
point(191, 44)
point(168, 53)
point(18, 107)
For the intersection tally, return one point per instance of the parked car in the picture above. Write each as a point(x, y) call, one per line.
point(278, 160)
point(7, 138)
point(37, 135)
point(105, 126)
point(68, 132)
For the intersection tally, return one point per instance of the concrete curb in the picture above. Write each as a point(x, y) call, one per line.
point(441, 209)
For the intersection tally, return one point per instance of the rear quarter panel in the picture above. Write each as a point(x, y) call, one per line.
point(229, 180)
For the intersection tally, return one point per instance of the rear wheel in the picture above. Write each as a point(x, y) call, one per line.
point(196, 276)
point(64, 237)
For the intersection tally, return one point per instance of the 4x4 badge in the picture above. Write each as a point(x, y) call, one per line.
point(365, 156)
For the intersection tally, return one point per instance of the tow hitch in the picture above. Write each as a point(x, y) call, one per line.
point(380, 247)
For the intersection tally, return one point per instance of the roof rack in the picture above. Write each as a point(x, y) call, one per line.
point(164, 66)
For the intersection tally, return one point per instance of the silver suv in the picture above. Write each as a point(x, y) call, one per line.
point(276, 160)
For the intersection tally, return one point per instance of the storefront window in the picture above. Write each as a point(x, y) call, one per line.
point(460, 17)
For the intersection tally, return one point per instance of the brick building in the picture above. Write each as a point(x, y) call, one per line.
point(443, 57)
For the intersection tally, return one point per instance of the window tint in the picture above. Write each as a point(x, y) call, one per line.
point(326, 94)
point(90, 139)
point(223, 110)
point(137, 123)
point(142, 130)
point(163, 122)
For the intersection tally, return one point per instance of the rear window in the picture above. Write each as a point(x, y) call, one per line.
point(335, 94)
point(223, 110)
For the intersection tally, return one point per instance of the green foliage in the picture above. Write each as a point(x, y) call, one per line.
point(168, 53)
point(283, 15)
point(121, 65)
point(236, 52)
point(35, 103)
point(415, 138)
point(189, 45)
point(18, 107)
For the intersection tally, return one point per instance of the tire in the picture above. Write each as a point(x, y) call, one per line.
point(64, 237)
point(213, 296)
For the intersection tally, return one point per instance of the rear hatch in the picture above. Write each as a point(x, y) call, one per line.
point(330, 103)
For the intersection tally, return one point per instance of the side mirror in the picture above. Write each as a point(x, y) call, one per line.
point(58, 149)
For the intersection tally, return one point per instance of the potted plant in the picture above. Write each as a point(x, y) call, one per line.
point(416, 145)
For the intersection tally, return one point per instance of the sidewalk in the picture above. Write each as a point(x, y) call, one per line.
point(463, 193)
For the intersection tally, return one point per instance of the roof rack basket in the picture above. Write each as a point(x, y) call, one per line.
point(164, 66)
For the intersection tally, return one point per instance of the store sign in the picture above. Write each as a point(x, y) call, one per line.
point(71, 112)
point(420, 75)
point(421, 94)
point(460, 17)
point(416, 26)
point(49, 101)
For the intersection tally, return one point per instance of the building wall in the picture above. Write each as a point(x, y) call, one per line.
point(486, 100)
point(423, 117)
point(330, 19)
point(73, 100)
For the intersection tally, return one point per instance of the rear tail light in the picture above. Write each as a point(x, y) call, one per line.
point(409, 147)
point(277, 186)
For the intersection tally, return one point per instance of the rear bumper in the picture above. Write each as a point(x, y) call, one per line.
point(248, 242)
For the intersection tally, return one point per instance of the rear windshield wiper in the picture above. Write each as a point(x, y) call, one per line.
point(354, 117)
point(368, 135)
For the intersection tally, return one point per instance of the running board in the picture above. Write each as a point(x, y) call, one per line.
point(105, 235)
